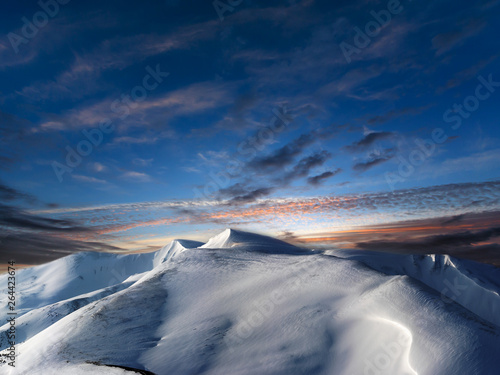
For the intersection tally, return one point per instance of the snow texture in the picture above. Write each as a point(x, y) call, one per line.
point(248, 304)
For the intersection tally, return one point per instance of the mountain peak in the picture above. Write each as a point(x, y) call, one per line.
point(175, 247)
point(231, 238)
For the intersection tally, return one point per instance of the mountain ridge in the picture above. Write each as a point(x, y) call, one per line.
point(256, 305)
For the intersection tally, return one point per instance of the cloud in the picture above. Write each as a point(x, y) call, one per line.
point(472, 236)
point(289, 236)
point(444, 42)
point(12, 217)
point(136, 140)
point(439, 243)
point(153, 112)
point(142, 162)
point(98, 167)
point(283, 156)
point(467, 244)
point(36, 249)
point(76, 82)
point(13, 132)
point(369, 140)
point(305, 165)
point(271, 168)
point(233, 190)
point(191, 169)
point(466, 74)
point(454, 220)
point(137, 176)
point(348, 83)
point(440, 198)
point(395, 113)
point(244, 102)
point(88, 179)
point(117, 53)
point(8, 193)
point(242, 193)
point(317, 180)
point(481, 160)
point(375, 159)
point(252, 195)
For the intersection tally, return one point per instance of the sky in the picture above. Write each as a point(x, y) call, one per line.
point(341, 124)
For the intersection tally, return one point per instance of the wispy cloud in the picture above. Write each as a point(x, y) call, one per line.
point(137, 176)
point(8, 193)
point(375, 159)
point(283, 156)
point(345, 210)
point(369, 140)
point(81, 77)
point(152, 112)
point(317, 180)
point(88, 179)
point(444, 42)
point(396, 113)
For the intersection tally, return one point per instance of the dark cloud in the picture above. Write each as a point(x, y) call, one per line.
point(304, 166)
point(317, 180)
point(234, 190)
point(283, 156)
point(446, 41)
point(33, 239)
point(395, 113)
point(253, 195)
point(485, 253)
point(466, 74)
point(277, 168)
point(36, 249)
point(13, 217)
point(242, 192)
point(13, 132)
point(289, 236)
point(453, 220)
point(6, 162)
point(8, 194)
point(369, 140)
point(375, 160)
point(243, 103)
point(462, 244)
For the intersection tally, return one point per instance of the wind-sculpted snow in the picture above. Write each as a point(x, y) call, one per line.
point(72, 276)
point(248, 304)
point(477, 290)
point(173, 248)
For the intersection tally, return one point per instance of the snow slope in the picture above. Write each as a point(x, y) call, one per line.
point(249, 304)
point(455, 280)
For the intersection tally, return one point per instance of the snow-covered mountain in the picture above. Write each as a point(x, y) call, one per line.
point(249, 304)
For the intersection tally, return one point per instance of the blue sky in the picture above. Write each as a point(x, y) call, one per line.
point(200, 122)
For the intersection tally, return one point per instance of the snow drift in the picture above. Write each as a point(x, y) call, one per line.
point(249, 304)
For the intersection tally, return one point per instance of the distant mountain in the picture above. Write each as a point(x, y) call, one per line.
point(249, 304)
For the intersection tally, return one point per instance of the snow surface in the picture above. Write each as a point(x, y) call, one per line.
point(249, 304)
